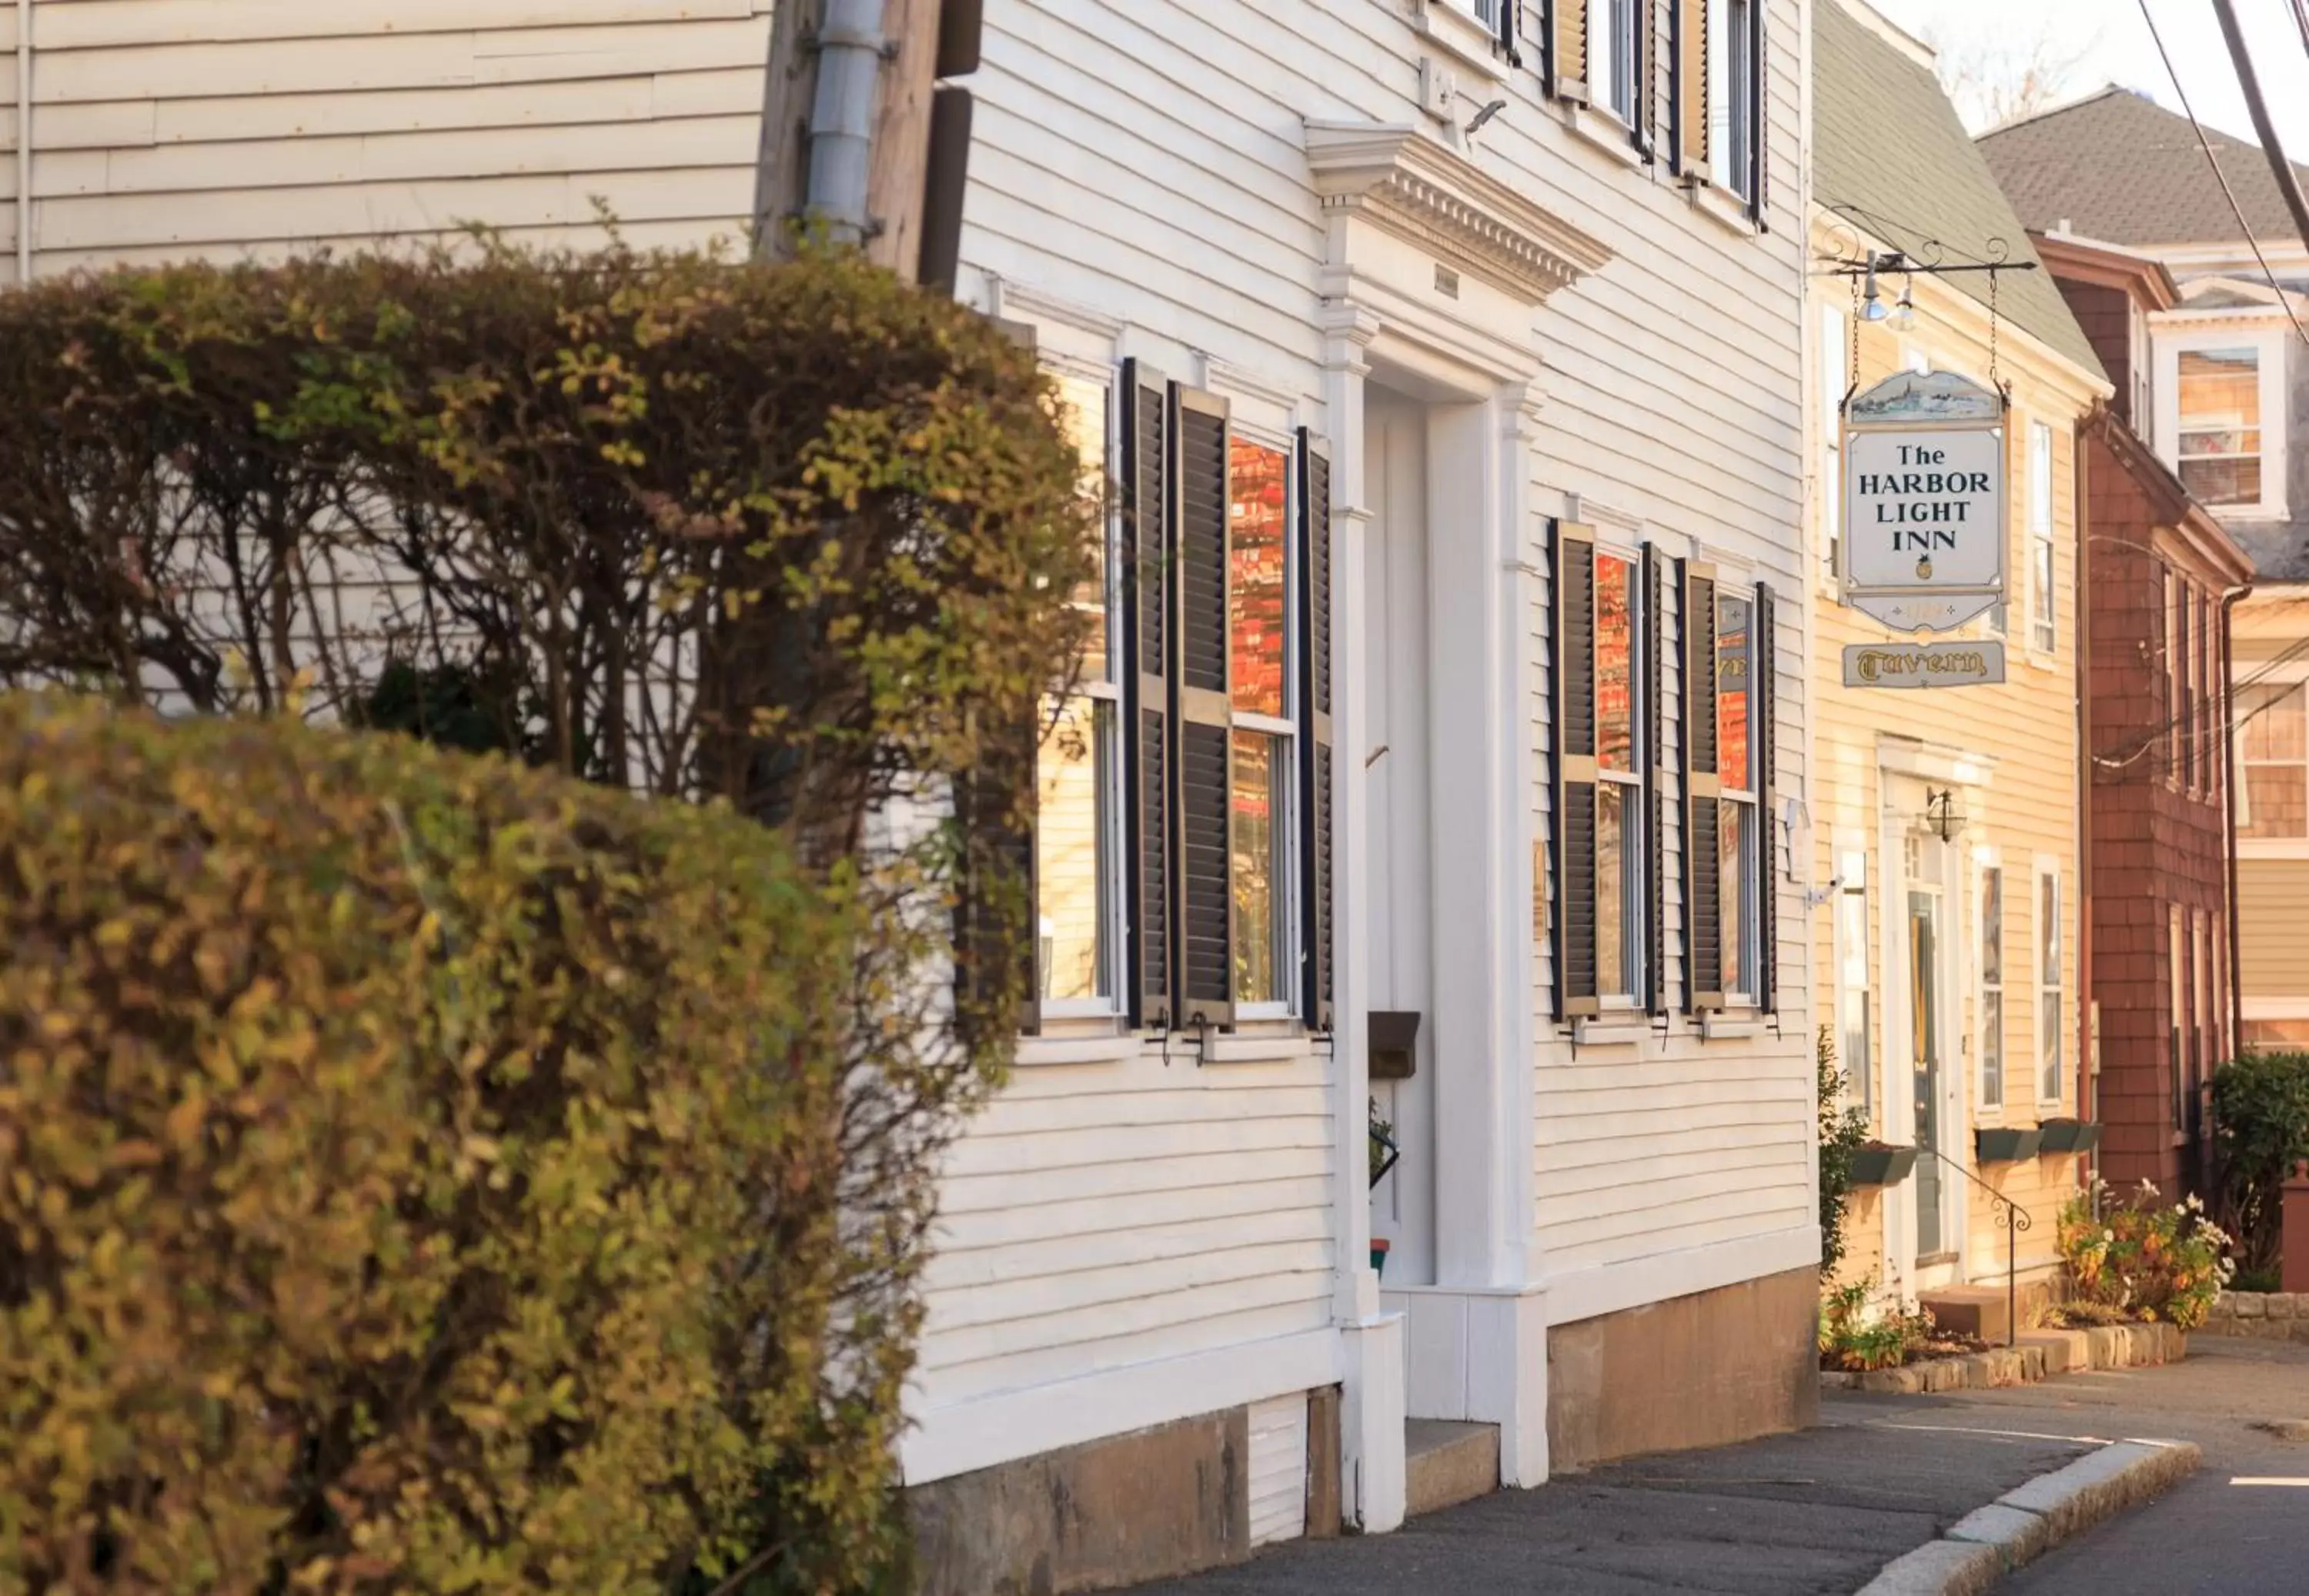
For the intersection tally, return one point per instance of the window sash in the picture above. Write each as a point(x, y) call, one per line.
point(2043, 598)
point(2049, 988)
point(1622, 943)
point(1853, 983)
point(1613, 56)
point(1266, 982)
point(2281, 775)
point(1992, 1077)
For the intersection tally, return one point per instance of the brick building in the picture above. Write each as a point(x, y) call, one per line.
point(2160, 574)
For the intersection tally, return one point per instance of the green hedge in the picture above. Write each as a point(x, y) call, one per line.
point(2261, 1129)
point(422, 1174)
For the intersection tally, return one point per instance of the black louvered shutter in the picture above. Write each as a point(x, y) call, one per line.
point(1760, 120)
point(1204, 786)
point(1644, 122)
point(1148, 626)
point(1703, 834)
point(1655, 772)
point(1315, 799)
point(1765, 700)
point(1573, 591)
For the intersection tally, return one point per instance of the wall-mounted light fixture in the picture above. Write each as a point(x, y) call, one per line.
point(1945, 820)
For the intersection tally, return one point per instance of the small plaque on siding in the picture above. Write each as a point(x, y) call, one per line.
point(1447, 282)
point(1923, 664)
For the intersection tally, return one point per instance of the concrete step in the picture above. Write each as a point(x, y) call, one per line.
point(1970, 1310)
point(1448, 1463)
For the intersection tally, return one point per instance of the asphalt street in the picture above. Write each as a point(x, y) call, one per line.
point(2216, 1535)
point(1822, 1511)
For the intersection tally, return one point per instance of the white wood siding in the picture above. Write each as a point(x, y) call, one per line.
point(1098, 1216)
point(252, 128)
point(1278, 1469)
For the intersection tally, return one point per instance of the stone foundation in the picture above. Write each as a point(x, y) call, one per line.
point(1120, 1511)
point(2260, 1315)
point(1702, 1370)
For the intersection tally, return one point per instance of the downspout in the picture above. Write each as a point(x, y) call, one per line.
point(2086, 1108)
point(850, 47)
point(24, 142)
point(2229, 812)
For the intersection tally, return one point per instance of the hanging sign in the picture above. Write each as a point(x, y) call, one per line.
point(1922, 540)
point(1923, 664)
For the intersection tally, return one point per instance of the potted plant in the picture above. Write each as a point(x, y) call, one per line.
point(1380, 1244)
point(1882, 1163)
point(2069, 1135)
point(2005, 1144)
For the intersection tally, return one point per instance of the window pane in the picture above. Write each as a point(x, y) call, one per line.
point(2044, 595)
point(1737, 883)
point(1991, 926)
point(2223, 481)
point(1731, 655)
point(2221, 425)
point(2040, 479)
point(1612, 974)
point(2048, 909)
point(2048, 1022)
point(1083, 407)
point(2220, 388)
point(2275, 802)
point(1615, 656)
point(1852, 983)
point(1071, 908)
point(2269, 723)
point(1992, 1047)
point(1257, 595)
point(1262, 766)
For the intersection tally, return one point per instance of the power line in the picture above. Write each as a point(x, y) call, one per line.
point(2219, 176)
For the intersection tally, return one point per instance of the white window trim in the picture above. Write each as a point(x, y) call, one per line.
point(1076, 359)
point(1636, 951)
point(1985, 860)
point(1749, 797)
point(1831, 362)
point(1859, 1078)
point(2044, 590)
point(1292, 954)
point(2044, 866)
point(2270, 346)
point(2292, 674)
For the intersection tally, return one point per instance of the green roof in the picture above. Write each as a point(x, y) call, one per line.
point(1890, 155)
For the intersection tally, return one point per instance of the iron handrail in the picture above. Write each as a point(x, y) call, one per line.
point(2015, 1219)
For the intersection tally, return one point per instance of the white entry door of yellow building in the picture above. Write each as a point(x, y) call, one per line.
point(1924, 1059)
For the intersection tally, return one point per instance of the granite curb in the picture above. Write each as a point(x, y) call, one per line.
point(2026, 1523)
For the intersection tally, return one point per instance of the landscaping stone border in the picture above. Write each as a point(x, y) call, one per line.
point(2260, 1315)
point(2040, 1355)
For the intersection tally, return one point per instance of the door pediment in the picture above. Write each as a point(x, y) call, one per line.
point(1413, 187)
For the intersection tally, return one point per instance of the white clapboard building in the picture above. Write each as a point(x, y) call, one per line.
point(1448, 759)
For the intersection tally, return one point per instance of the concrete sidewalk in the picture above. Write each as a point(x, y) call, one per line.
point(1820, 1511)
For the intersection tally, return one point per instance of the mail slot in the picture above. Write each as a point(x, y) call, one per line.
point(1394, 1044)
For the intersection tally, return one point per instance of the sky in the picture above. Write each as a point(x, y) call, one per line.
point(2109, 43)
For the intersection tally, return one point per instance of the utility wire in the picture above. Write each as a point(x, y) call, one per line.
point(2288, 181)
point(2219, 176)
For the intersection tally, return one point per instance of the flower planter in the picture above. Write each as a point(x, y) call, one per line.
point(1379, 1255)
point(1877, 1164)
point(2001, 1144)
point(2069, 1135)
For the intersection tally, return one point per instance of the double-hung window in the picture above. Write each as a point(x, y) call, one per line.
point(1853, 985)
point(1835, 329)
point(2048, 983)
point(1264, 737)
point(1606, 744)
point(1728, 724)
point(2219, 437)
point(1738, 756)
point(1181, 842)
point(1992, 986)
point(1735, 97)
point(1077, 779)
point(2043, 596)
point(2272, 743)
point(1615, 55)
